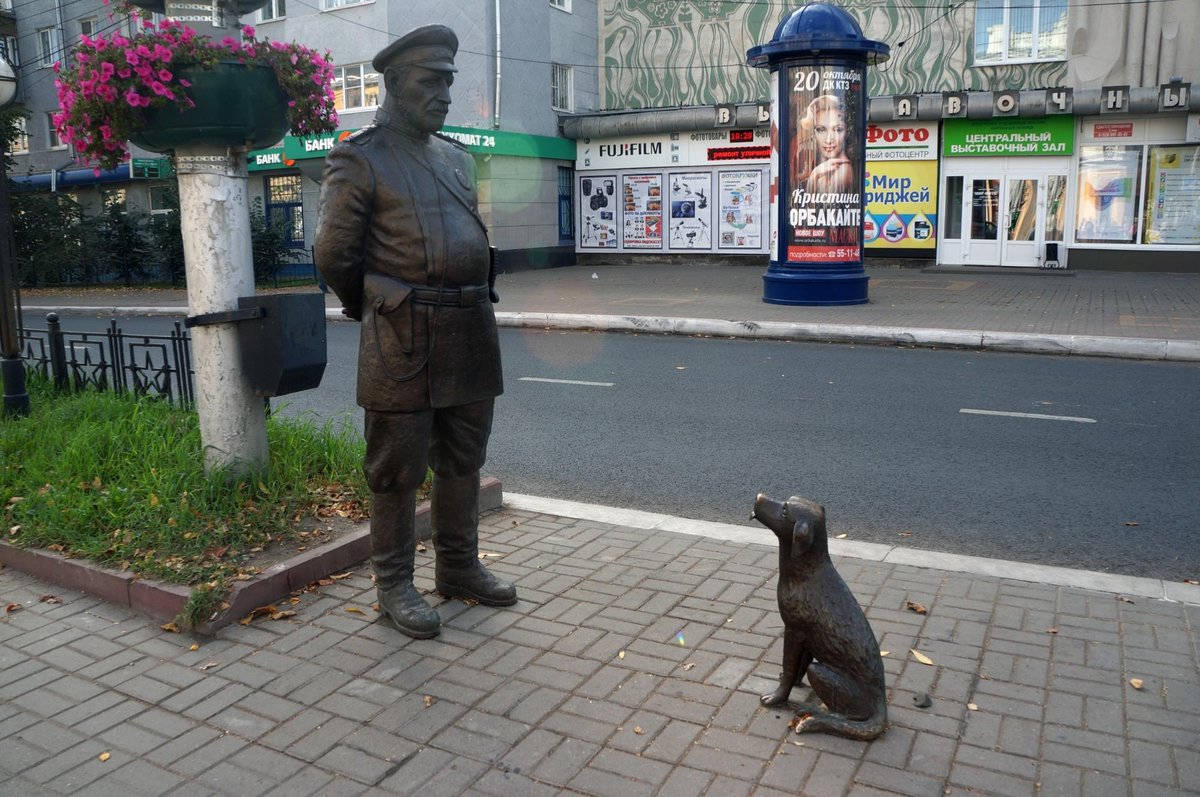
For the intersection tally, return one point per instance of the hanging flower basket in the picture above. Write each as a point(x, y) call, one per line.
point(235, 104)
point(169, 86)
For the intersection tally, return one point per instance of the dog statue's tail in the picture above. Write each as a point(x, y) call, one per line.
point(863, 730)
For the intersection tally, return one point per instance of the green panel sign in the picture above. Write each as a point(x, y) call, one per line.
point(482, 142)
point(1048, 135)
point(150, 168)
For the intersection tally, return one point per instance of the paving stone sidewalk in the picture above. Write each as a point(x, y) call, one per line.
point(631, 666)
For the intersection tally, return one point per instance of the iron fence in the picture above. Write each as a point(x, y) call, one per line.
point(112, 360)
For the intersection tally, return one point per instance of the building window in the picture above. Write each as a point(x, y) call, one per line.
point(163, 198)
point(1020, 30)
point(8, 48)
point(285, 207)
point(47, 39)
point(560, 88)
point(355, 86)
point(20, 141)
point(55, 141)
point(561, 5)
point(329, 5)
point(566, 203)
point(88, 27)
point(274, 9)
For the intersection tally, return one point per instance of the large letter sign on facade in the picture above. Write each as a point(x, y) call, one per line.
point(818, 59)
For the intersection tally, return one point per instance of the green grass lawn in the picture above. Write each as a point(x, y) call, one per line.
point(120, 480)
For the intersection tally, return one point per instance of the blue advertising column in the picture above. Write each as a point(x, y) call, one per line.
point(818, 59)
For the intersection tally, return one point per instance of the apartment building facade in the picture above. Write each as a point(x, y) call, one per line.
point(1019, 133)
point(521, 63)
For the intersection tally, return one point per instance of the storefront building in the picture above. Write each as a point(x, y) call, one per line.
point(521, 182)
point(1048, 178)
point(1051, 178)
point(676, 192)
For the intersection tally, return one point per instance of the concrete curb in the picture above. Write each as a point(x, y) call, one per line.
point(1030, 343)
point(164, 602)
point(1020, 342)
point(1153, 588)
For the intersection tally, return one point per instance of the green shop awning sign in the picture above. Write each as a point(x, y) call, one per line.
point(1048, 135)
point(481, 142)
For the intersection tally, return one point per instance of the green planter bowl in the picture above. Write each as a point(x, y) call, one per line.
point(236, 105)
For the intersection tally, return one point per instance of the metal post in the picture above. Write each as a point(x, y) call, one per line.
point(12, 367)
point(58, 352)
point(215, 220)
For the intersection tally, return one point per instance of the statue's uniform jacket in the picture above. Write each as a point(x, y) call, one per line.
point(396, 213)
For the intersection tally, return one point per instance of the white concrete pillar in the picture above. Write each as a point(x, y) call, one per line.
point(214, 216)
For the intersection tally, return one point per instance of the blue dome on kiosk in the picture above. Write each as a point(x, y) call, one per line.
point(817, 28)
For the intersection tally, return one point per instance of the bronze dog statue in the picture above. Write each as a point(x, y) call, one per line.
point(826, 635)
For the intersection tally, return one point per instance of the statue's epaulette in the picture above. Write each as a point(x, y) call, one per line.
point(453, 141)
point(363, 134)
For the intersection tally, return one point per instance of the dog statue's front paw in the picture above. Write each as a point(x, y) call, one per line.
point(776, 698)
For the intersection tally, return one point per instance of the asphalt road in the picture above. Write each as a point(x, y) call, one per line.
point(1091, 465)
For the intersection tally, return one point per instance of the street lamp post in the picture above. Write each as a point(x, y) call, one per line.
point(12, 368)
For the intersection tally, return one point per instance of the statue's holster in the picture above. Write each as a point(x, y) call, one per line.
point(388, 298)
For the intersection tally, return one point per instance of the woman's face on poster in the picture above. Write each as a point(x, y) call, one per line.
point(829, 130)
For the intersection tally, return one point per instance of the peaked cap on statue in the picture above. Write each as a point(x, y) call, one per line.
point(430, 46)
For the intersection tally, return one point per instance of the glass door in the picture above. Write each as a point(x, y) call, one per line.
point(983, 215)
point(1020, 246)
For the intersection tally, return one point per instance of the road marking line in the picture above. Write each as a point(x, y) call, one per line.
point(1030, 415)
point(565, 381)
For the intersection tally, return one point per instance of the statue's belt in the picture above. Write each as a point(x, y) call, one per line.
point(465, 296)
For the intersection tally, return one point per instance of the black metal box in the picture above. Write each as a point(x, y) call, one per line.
point(283, 348)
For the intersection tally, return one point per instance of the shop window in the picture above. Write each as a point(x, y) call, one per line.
point(566, 203)
point(952, 227)
point(355, 86)
point(1109, 187)
point(560, 88)
point(1172, 195)
point(47, 40)
point(1056, 207)
point(1020, 30)
point(274, 9)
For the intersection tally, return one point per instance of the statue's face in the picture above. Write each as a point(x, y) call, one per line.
point(423, 98)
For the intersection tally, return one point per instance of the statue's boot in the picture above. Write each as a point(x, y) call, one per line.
point(458, 572)
point(393, 553)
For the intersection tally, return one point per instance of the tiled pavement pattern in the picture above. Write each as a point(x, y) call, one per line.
point(631, 666)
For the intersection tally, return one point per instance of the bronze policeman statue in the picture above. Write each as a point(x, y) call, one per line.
point(401, 242)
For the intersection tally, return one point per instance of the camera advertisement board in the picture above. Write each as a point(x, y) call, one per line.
point(691, 210)
point(598, 212)
point(740, 212)
point(824, 163)
point(642, 202)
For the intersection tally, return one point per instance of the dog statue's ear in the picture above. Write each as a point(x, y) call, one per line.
point(802, 537)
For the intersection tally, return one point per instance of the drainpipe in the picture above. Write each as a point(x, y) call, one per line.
point(496, 104)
